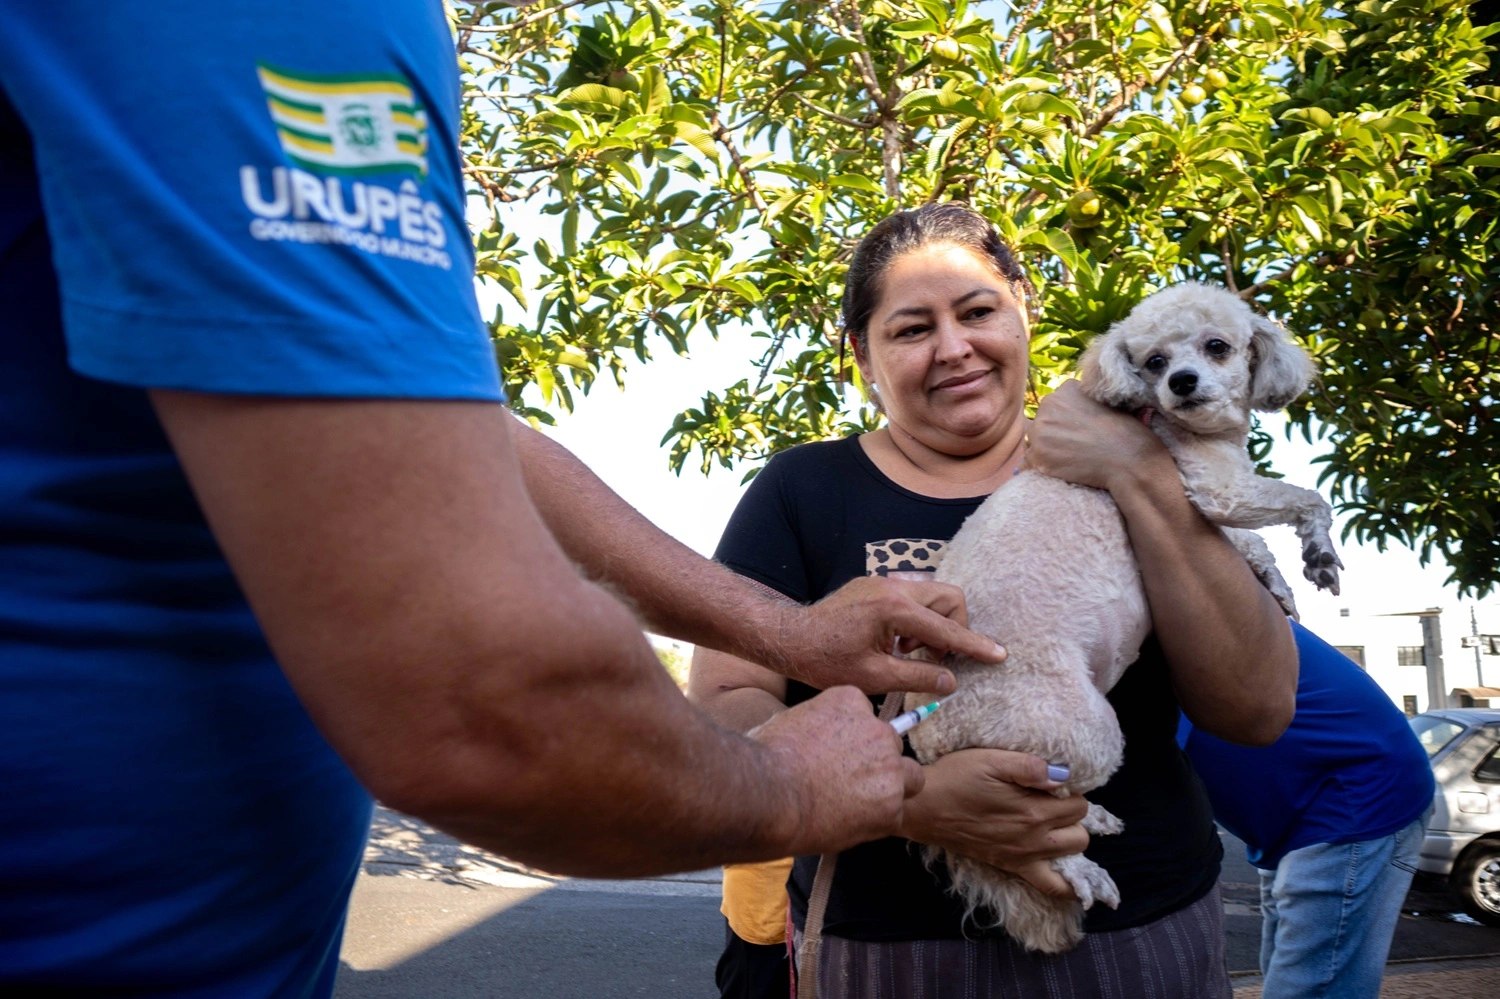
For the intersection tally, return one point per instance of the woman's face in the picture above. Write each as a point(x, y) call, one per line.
point(947, 350)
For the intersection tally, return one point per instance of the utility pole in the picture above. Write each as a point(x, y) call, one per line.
point(1432, 641)
point(1478, 657)
point(1432, 654)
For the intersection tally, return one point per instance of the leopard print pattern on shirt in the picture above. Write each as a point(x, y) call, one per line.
point(903, 555)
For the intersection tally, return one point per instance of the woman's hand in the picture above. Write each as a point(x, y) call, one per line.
point(1078, 440)
point(994, 806)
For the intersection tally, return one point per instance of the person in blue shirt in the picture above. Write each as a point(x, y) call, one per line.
point(1332, 814)
point(270, 544)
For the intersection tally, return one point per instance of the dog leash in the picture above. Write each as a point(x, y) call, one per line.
point(822, 887)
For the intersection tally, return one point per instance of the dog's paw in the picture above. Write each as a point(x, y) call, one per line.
point(1099, 822)
point(1090, 882)
point(1320, 564)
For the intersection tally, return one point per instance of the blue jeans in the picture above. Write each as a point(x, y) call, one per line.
point(1328, 914)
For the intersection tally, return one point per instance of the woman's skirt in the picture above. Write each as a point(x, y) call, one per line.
point(1180, 956)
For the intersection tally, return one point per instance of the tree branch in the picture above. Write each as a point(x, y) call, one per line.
point(1129, 91)
point(522, 22)
point(497, 192)
point(885, 100)
point(854, 30)
point(831, 116)
point(724, 138)
point(1323, 260)
point(464, 48)
point(516, 171)
point(890, 156)
point(770, 102)
point(1458, 309)
point(1227, 257)
point(723, 54)
point(1022, 16)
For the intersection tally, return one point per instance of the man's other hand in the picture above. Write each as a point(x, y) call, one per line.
point(847, 765)
point(851, 637)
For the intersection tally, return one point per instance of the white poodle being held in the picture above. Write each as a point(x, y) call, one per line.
point(1202, 360)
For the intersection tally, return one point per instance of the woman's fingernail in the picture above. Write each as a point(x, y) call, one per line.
point(1000, 652)
point(1058, 772)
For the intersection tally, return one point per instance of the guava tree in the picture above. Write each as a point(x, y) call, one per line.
point(711, 166)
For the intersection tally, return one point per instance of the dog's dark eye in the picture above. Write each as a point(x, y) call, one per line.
point(1216, 348)
point(1156, 363)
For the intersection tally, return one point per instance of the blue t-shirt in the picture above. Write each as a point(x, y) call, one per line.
point(253, 198)
point(1347, 769)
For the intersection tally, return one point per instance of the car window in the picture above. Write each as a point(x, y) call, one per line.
point(1434, 733)
point(1489, 770)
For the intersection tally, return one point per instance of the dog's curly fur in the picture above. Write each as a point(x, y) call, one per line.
point(1047, 571)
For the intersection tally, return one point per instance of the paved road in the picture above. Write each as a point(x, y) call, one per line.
point(434, 919)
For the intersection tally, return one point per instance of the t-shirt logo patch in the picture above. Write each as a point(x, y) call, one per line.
point(356, 150)
point(903, 555)
point(347, 124)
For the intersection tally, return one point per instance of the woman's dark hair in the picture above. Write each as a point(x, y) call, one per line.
point(948, 222)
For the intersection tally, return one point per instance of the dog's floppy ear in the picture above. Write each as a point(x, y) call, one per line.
point(1108, 376)
point(1280, 369)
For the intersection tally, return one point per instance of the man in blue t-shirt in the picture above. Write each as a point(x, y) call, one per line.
point(248, 406)
point(1332, 814)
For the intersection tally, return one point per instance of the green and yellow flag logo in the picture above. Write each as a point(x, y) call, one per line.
point(347, 124)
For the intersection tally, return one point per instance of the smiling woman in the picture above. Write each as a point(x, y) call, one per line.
point(935, 308)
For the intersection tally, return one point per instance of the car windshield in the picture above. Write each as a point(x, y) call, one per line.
point(1434, 733)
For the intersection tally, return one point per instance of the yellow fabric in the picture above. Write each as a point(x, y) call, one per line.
point(755, 900)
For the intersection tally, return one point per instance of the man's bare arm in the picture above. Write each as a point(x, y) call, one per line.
point(846, 638)
point(445, 646)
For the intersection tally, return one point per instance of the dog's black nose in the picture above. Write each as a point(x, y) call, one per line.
point(1183, 382)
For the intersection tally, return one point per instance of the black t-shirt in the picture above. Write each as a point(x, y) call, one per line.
point(821, 514)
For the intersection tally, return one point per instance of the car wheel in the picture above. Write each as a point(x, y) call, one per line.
point(1476, 879)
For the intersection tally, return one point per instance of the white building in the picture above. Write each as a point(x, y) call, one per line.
point(1393, 650)
point(1373, 619)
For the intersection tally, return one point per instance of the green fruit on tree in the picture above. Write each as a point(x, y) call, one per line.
point(1215, 78)
point(1429, 265)
point(1372, 319)
point(947, 49)
point(1193, 94)
point(623, 79)
point(1085, 209)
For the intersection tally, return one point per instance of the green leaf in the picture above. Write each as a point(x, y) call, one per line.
point(595, 93)
point(1057, 241)
point(744, 289)
point(942, 143)
point(1315, 117)
point(654, 87)
point(840, 47)
point(855, 182)
point(1036, 103)
point(918, 28)
point(697, 138)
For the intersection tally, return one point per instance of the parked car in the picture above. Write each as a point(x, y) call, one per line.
point(1463, 836)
